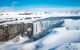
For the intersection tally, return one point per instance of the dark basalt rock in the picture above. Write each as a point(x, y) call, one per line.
point(12, 30)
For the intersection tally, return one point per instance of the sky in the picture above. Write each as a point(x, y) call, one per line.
point(22, 4)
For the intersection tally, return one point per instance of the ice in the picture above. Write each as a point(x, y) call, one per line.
point(65, 37)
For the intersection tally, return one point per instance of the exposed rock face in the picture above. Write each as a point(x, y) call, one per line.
point(9, 32)
point(4, 33)
point(12, 30)
point(34, 30)
point(29, 29)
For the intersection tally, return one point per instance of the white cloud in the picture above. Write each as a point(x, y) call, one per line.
point(6, 8)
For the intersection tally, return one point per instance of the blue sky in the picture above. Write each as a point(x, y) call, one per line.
point(19, 4)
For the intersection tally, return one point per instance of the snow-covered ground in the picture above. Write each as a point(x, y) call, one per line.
point(66, 37)
point(57, 40)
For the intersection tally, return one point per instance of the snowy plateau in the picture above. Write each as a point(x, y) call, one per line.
point(43, 30)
